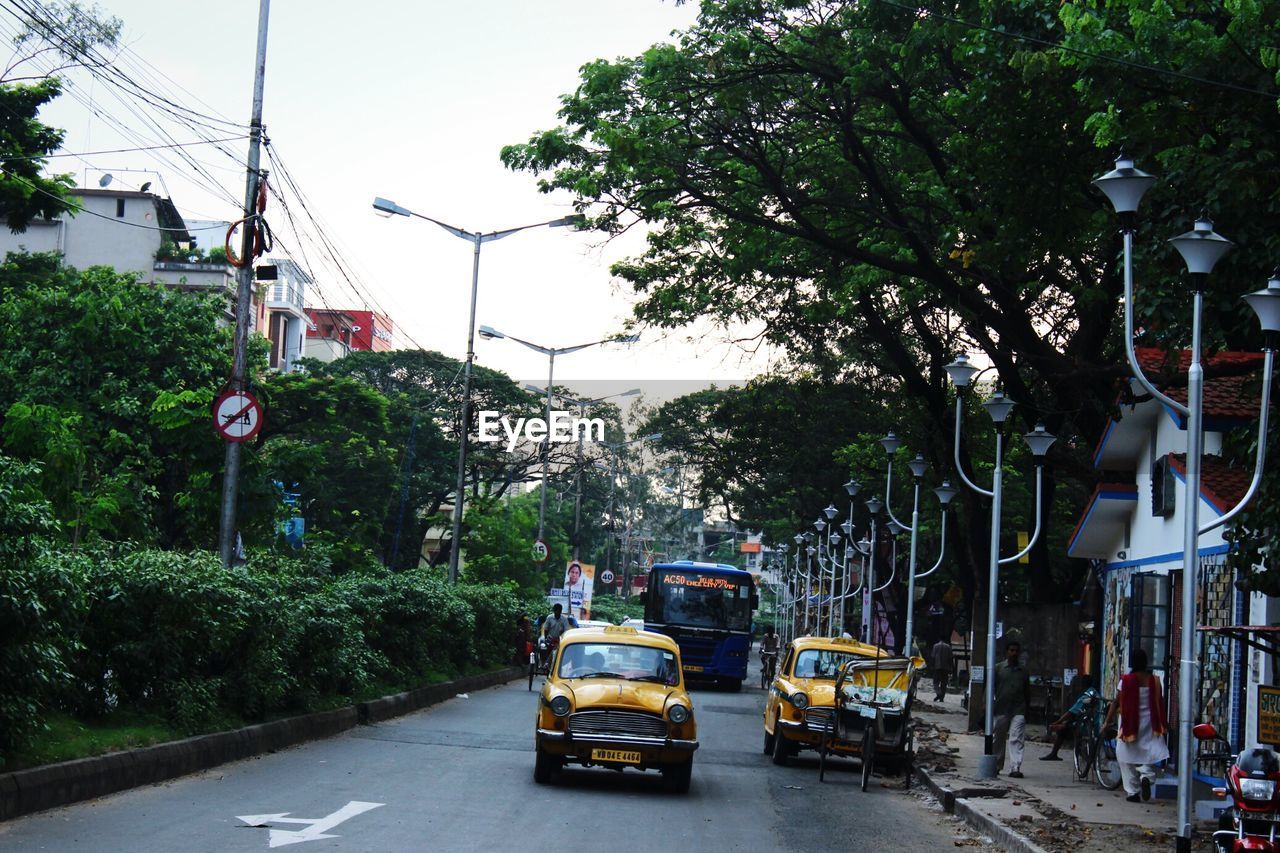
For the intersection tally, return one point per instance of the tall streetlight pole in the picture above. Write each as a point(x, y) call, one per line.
point(490, 333)
point(1201, 248)
point(945, 493)
point(385, 207)
point(998, 407)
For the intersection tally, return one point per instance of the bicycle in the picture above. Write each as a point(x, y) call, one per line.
point(1095, 747)
point(768, 667)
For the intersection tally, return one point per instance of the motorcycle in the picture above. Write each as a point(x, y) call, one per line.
point(1253, 781)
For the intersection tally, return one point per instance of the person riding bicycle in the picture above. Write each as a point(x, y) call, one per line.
point(1064, 725)
point(553, 626)
point(769, 648)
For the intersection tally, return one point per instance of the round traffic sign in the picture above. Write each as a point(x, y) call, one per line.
point(606, 577)
point(237, 415)
point(540, 551)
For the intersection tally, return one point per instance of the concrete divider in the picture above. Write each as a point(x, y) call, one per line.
point(38, 788)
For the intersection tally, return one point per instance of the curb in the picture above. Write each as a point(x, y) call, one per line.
point(24, 792)
point(1003, 835)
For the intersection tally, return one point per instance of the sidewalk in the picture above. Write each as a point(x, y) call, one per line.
point(1048, 809)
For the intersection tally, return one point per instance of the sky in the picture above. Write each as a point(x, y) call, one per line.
point(412, 101)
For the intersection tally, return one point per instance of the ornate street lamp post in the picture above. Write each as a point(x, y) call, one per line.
point(1039, 440)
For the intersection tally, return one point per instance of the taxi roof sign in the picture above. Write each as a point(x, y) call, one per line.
point(620, 629)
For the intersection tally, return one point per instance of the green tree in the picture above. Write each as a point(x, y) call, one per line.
point(107, 383)
point(329, 440)
point(879, 186)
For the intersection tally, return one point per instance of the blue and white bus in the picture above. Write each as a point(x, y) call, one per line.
point(706, 608)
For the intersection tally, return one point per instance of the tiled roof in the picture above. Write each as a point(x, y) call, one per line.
point(1224, 396)
point(1220, 484)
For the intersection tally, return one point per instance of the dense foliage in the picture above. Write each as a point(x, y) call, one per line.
point(175, 634)
point(878, 186)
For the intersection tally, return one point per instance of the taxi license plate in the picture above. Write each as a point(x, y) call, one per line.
point(690, 668)
point(618, 755)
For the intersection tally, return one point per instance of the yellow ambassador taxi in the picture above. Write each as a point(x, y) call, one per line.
point(801, 703)
point(615, 698)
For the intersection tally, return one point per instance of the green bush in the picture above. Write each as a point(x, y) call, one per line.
point(37, 604)
point(176, 634)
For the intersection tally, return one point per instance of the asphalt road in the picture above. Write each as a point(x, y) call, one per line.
point(459, 776)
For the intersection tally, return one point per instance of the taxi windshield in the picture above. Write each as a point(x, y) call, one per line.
point(619, 660)
point(822, 663)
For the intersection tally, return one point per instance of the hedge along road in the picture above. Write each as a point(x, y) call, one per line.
point(459, 776)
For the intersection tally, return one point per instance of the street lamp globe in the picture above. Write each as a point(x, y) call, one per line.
point(1266, 303)
point(852, 487)
point(1039, 440)
point(1201, 247)
point(1124, 185)
point(946, 492)
point(998, 406)
point(961, 371)
point(847, 527)
point(830, 511)
point(820, 524)
point(874, 505)
point(918, 466)
point(891, 443)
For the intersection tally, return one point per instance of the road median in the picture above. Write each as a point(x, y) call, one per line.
point(35, 789)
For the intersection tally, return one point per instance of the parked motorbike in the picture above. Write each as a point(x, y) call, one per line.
point(1253, 781)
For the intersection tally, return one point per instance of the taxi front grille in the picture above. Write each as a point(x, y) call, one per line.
point(624, 723)
point(818, 719)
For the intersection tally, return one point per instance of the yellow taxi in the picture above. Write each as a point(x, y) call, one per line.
point(615, 698)
point(801, 703)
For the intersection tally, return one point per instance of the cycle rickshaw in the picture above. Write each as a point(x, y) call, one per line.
point(872, 715)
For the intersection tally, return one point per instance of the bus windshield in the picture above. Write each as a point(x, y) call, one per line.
point(698, 600)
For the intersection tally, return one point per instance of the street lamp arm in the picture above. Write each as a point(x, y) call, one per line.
point(1260, 462)
point(1129, 351)
point(888, 498)
point(1035, 537)
point(893, 571)
point(942, 552)
point(964, 478)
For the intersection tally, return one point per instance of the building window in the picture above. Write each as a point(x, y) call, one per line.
point(120, 207)
point(1163, 488)
point(1151, 598)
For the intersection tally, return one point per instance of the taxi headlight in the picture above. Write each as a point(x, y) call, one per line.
point(800, 700)
point(560, 706)
point(1257, 789)
point(678, 714)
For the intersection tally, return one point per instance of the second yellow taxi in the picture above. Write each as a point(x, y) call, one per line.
point(800, 707)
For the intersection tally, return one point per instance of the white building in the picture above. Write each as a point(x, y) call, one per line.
point(122, 229)
point(1133, 525)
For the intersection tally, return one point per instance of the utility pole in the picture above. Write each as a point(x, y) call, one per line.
point(244, 290)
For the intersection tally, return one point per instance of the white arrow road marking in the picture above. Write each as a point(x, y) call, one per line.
point(316, 827)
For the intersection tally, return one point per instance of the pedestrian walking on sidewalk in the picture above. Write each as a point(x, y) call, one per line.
point(940, 664)
point(1012, 698)
point(1142, 728)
